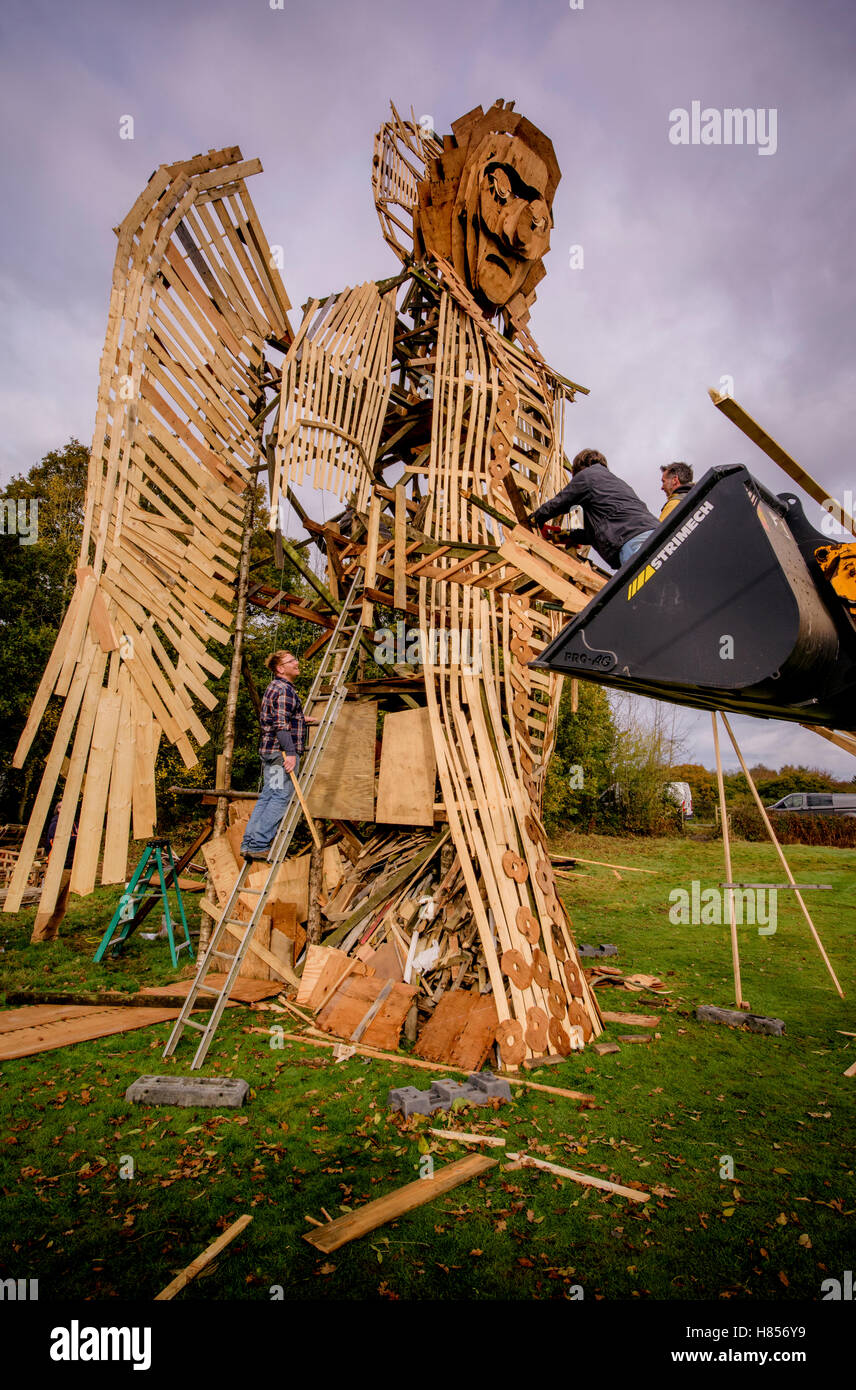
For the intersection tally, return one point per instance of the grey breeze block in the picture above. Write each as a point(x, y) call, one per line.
point(188, 1090)
point(478, 1089)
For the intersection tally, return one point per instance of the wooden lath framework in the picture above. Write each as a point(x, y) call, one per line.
point(335, 391)
point(401, 151)
point(195, 296)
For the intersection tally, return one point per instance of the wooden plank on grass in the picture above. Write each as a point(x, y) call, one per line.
point(81, 1026)
point(401, 1060)
point(394, 1204)
point(640, 1020)
point(584, 1179)
point(204, 1259)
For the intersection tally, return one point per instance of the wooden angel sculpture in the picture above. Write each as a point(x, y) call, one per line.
point(469, 428)
point(423, 401)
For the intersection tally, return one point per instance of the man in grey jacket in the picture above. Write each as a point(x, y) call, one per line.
point(615, 521)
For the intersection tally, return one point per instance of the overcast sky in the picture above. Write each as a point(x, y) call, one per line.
point(700, 262)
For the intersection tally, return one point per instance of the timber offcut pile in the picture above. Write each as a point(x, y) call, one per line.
point(400, 951)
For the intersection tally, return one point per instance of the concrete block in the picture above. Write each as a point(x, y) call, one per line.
point(188, 1090)
point(443, 1094)
point(493, 1087)
point(409, 1100)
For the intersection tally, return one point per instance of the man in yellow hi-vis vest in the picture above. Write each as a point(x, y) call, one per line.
point(676, 483)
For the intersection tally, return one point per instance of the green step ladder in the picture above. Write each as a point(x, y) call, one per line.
point(150, 870)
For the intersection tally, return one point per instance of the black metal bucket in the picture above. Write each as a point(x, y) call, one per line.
point(725, 608)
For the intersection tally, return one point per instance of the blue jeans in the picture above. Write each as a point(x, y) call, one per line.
point(270, 808)
point(629, 548)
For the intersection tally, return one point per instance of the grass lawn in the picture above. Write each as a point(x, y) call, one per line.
point(318, 1135)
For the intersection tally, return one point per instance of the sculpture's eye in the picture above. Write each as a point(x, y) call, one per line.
point(499, 184)
point(539, 224)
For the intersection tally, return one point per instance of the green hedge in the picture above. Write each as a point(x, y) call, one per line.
point(839, 832)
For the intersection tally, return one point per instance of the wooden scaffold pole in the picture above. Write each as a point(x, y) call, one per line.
point(772, 834)
point(726, 841)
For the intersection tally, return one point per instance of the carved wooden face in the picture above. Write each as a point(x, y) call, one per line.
point(507, 218)
point(485, 204)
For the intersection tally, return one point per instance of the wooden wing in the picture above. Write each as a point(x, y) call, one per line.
point(195, 296)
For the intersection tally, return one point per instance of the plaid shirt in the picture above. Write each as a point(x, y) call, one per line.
point(281, 709)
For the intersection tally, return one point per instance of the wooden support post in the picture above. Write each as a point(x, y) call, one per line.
point(252, 689)
point(772, 834)
point(313, 921)
point(735, 954)
point(224, 776)
point(305, 809)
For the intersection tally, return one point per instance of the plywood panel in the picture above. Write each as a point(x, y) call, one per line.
point(408, 770)
point(343, 788)
point(352, 1001)
point(461, 1030)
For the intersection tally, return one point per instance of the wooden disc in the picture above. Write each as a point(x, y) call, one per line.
point(572, 975)
point(527, 925)
point(518, 603)
point(525, 760)
point(499, 446)
point(560, 950)
point(556, 1001)
point(578, 1017)
point(536, 1029)
point(509, 1039)
point(516, 968)
point(497, 468)
point(554, 910)
point(514, 866)
point(531, 786)
point(520, 649)
point(534, 829)
point(559, 1038)
point(521, 706)
point(540, 968)
point(544, 876)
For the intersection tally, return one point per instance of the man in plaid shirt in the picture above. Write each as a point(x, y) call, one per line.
point(284, 728)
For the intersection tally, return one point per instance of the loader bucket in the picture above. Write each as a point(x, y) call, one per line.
point(724, 607)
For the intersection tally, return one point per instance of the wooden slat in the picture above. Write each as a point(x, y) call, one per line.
point(94, 801)
point(210, 1253)
point(400, 537)
point(394, 1204)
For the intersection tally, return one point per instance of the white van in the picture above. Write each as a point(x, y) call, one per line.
point(817, 804)
point(682, 796)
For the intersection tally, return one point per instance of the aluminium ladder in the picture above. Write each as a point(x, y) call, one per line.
point(332, 673)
